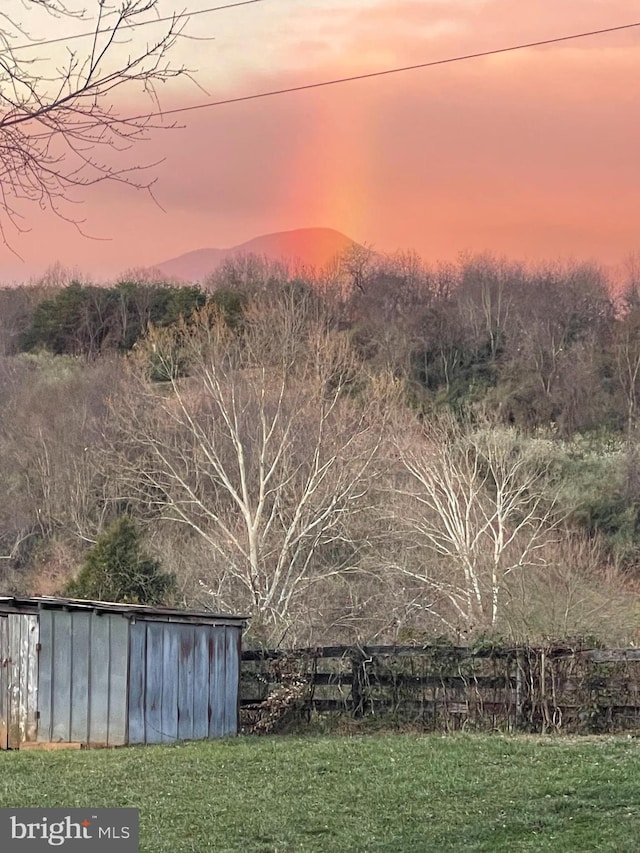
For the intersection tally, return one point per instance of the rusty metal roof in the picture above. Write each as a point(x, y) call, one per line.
point(12, 603)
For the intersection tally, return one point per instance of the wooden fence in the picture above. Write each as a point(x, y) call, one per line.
point(446, 688)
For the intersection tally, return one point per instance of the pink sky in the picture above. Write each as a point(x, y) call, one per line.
point(530, 154)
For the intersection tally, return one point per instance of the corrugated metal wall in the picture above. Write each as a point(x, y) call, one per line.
point(4, 681)
point(183, 681)
point(83, 677)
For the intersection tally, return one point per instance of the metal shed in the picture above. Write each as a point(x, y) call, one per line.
point(93, 673)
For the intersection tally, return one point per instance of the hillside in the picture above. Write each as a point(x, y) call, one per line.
point(310, 246)
point(281, 446)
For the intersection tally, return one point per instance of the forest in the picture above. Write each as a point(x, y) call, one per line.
point(379, 451)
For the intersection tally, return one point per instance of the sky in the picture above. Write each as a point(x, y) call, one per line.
point(529, 155)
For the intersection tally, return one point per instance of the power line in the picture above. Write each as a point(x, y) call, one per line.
point(188, 15)
point(371, 74)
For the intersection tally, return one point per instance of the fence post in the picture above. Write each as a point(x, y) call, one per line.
point(358, 681)
point(519, 679)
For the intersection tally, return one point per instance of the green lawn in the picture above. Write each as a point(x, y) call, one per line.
point(372, 793)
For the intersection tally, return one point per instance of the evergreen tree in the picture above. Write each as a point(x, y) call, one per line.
point(116, 569)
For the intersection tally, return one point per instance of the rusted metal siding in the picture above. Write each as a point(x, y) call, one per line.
point(217, 682)
point(201, 685)
point(83, 677)
point(186, 691)
point(29, 664)
point(20, 681)
point(4, 681)
point(183, 681)
point(232, 672)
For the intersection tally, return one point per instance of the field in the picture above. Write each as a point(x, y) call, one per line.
point(390, 793)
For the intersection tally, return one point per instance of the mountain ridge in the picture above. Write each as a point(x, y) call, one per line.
point(308, 246)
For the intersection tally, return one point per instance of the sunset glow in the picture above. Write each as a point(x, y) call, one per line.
point(530, 154)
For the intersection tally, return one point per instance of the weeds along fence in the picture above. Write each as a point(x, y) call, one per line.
point(445, 688)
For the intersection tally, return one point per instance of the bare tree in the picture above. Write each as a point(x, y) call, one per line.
point(476, 511)
point(485, 298)
point(51, 429)
point(578, 592)
point(262, 452)
point(356, 266)
point(59, 127)
point(626, 354)
point(559, 318)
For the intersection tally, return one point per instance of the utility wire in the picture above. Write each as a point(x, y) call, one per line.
point(135, 26)
point(371, 74)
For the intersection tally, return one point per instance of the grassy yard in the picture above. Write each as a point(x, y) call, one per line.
point(388, 793)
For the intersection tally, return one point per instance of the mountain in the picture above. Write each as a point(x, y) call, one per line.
point(310, 246)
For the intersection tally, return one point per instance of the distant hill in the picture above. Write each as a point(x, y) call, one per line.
point(310, 246)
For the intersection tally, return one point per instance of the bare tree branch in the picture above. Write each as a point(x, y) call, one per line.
point(60, 130)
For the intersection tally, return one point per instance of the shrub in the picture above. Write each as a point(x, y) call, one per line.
point(116, 569)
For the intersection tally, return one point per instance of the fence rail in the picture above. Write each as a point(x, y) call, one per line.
point(441, 687)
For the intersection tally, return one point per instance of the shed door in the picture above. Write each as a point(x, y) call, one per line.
point(22, 679)
point(4, 681)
